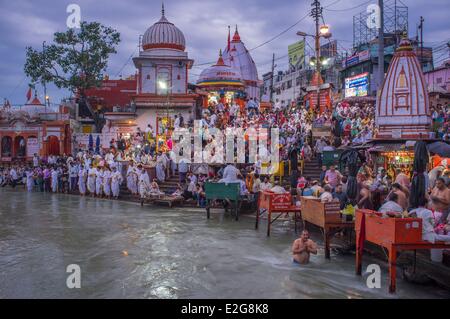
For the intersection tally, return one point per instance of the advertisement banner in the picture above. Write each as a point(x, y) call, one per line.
point(357, 85)
point(296, 53)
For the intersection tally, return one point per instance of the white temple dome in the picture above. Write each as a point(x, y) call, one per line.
point(163, 35)
point(220, 74)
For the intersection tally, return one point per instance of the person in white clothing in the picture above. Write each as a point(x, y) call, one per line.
point(132, 179)
point(92, 173)
point(35, 160)
point(30, 180)
point(99, 182)
point(54, 176)
point(230, 174)
point(82, 180)
point(107, 182)
point(144, 182)
point(116, 180)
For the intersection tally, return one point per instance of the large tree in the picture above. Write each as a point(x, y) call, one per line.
point(76, 61)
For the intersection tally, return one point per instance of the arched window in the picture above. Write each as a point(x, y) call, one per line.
point(6, 146)
point(20, 146)
point(163, 77)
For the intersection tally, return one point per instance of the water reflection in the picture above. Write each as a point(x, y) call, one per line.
point(126, 251)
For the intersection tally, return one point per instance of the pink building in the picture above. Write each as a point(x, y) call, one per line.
point(439, 78)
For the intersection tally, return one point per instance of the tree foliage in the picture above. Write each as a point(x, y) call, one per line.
point(76, 60)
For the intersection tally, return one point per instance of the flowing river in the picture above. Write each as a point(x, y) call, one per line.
point(126, 251)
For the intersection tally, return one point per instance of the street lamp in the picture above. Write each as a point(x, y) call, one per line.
point(163, 85)
point(322, 31)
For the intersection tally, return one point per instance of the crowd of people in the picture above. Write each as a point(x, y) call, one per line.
point(101, 173)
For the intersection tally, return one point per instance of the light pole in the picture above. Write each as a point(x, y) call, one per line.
point(321, 32)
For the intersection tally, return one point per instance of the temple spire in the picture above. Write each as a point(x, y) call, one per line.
point(162, 9)
point(229, 39)
point(220, 60)
point(236, 37)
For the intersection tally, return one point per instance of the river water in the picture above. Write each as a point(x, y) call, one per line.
point(125, 251)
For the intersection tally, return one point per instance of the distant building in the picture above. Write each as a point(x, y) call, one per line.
point(365, 60)
point(438, 82)
point(113, 95)
point(33, 128)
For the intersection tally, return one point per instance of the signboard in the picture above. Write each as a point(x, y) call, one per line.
point(357, 85)
point(281, 201)
point(32, 146)
point(296, 53)
point(356, 58)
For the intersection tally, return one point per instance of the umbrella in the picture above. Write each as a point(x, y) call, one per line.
point(350, 159)
point(421, 158)
point(440, 148)
point(97, 144)
point(91, 142)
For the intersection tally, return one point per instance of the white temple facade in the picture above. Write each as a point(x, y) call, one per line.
point(238, 57)
point(402, 110)
point(162, 85)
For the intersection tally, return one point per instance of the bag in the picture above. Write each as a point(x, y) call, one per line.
point(349, 210)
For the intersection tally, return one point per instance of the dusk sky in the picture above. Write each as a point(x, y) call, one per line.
point(204, 24)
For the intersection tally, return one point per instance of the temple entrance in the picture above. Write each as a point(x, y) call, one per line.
point(52, 145)
point(6, 146)
point(19, 146)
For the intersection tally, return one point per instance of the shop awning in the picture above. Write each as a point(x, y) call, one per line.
point(388, 147)
point(440, 148)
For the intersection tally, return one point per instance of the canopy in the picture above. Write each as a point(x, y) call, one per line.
point(440, 148)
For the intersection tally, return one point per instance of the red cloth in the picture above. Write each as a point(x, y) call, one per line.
point(362, 233)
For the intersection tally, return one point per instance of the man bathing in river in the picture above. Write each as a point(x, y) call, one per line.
point(302, 248)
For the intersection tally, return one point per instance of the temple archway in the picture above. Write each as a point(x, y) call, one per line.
point(53, 145)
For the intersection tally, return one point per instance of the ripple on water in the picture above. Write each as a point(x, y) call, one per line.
point(170, 254)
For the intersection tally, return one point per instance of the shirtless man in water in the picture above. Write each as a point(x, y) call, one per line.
point(302, 248)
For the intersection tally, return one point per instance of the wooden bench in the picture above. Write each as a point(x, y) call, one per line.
point(169, 200)
point(326, 216)
point(229, 193)
point(275, 203)
point(394, 234)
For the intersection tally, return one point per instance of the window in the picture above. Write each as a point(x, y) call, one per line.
point(163, 76)
point(289, 84)
point(439, 80)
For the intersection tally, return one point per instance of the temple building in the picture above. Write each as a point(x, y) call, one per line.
point(402, 110)
point(222, 82)
point(237, 55)
point(162, 85)
point(33, 128)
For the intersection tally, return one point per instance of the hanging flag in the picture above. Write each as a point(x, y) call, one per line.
point(29, 94)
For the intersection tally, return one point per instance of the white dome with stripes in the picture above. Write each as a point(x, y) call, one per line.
point(163, 35)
